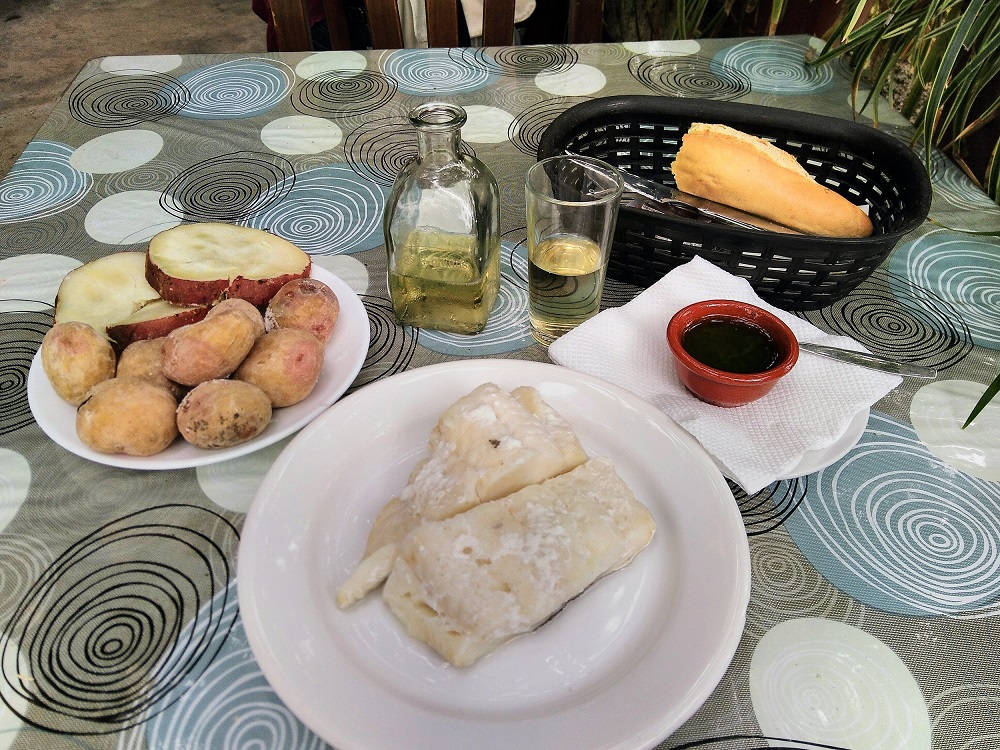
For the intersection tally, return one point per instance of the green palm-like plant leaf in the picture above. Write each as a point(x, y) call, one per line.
point(992, 390)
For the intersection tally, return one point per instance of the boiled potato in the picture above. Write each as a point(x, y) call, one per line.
point(75, 358)
point(210, 349)
point(307, 304)
point(127, 415)
point(284, 363)
point(252, 313)
point(223, 413)
point(144, 359)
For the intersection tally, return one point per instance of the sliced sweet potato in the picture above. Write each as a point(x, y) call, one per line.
point(154, 321)
point(202, 263)
point(104, 292)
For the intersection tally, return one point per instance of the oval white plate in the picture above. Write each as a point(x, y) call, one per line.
point(345, 354)
point(622, 666)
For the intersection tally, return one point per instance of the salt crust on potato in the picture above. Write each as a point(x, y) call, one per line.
point(75, 358)
point(307, 304)
point(127, 415)
point(223, 413)
point(144, 359)
point(241, 305)
point(284, 363)
point(210, 349)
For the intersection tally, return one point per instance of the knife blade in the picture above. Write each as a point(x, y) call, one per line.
point(872, 361)
point(689, 206)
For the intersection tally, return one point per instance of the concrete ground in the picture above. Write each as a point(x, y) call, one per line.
point(44, 44)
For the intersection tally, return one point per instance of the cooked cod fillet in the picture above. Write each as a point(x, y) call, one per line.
point(486, 445)
point(467, 584)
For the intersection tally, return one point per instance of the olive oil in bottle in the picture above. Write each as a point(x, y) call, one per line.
point(441, 229)
point(435, 283)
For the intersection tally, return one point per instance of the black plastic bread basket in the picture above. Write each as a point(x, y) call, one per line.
point(641, 135)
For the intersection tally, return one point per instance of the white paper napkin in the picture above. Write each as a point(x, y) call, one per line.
point(756, 444)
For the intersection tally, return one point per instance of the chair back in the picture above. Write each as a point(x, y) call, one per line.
point(291, 22)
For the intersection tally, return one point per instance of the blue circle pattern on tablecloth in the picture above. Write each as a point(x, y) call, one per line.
point(329, 210)
point(41, 183)
point(508, 329)
point(961, 269)
point(895, 528)
point(235, 90)
point(230, 705)
point(775, 66)
point(422, 72)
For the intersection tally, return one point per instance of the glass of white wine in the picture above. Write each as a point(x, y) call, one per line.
point(572, 206)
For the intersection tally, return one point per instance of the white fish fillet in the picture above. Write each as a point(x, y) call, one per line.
point(486, 445)
point(468, 584)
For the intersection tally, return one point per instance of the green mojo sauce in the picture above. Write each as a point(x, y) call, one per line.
point(731, 345)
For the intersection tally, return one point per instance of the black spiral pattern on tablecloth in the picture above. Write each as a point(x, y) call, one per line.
point(689, 77)
point(150, 176)
point(929, 331)
point(110, 101)
point(56, 235)
point(229, 187)
point(618, 293)
point(99, 635)
point(767, 509)
point(516, 244)
point(381, 148)
point(526, 130)
point(786, 586)
point(390, 347)
point(22, 561)
point(519, 62)
point(754, 742)
point(20, 336)
point(342, 93)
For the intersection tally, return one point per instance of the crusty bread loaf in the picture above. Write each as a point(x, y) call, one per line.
point(740, 170)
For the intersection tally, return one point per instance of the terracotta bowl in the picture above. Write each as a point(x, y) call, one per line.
point(720, 387)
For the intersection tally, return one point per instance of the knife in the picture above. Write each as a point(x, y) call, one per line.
point(667, 200)
point(871, 361)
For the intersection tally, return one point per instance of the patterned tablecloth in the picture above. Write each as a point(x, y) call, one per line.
point(875, 606)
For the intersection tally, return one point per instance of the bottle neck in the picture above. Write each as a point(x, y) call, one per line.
point(438, 145)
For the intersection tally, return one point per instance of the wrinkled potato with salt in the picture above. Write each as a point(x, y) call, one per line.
point(235, 303)
point(143, 359)
point(127, 415)
point(209, 349)
point(307, 304)
point(284, 363)
point(75, 358)
point(223, 413)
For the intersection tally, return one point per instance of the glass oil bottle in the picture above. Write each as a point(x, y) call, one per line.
point(441, 228)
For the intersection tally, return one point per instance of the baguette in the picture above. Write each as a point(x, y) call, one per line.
point(740, 170)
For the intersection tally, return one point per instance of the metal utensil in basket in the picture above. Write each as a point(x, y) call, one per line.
point(642, 134)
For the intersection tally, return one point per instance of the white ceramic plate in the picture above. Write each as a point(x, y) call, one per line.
point(345, 354)
point(622, 666)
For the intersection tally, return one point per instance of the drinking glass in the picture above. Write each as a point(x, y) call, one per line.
point(572, 205)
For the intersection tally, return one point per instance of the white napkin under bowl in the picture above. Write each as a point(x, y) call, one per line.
point(756, 444)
